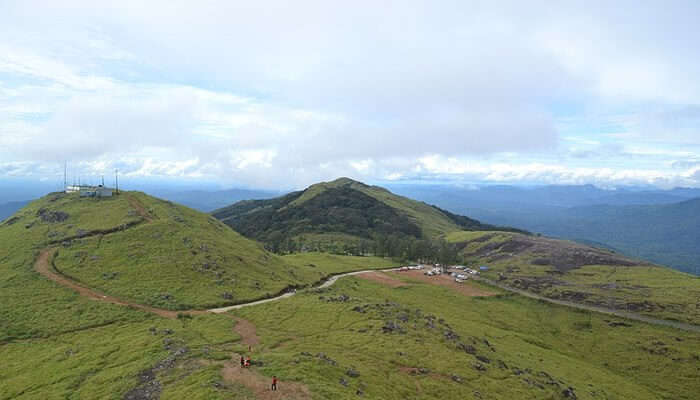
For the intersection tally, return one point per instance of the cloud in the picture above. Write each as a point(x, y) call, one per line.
point(281, 95)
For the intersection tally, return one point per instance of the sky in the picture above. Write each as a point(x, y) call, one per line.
point(281, 95)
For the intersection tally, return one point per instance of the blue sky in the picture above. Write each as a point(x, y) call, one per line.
point(281, 96)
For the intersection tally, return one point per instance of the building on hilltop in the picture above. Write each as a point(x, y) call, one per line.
point(90, 191)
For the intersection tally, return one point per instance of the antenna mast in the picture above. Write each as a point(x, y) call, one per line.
point(65, 170)
point(116, 179)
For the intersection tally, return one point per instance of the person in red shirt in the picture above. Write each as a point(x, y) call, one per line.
point(274, 383)
point(247, 362)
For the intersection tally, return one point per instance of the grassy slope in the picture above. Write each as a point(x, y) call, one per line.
point(530, 345)
point(322, 264)
point(30, 305)
point(57, 345)
point(182, 259)
point(646, 289)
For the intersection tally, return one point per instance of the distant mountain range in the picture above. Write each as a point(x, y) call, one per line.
point(207, 201)
point(660, 226)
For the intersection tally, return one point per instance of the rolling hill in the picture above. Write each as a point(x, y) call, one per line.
point(343, 210)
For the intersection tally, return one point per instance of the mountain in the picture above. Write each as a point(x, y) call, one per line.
point(665, 233)
point(10, 208)
point(344, 209)
point(564, 270)
point(206, 201)
point(499, 197)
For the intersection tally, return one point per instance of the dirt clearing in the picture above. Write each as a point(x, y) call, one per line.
point(260, 385)
point(466, 288)
point(382, 278)
point(246, 330)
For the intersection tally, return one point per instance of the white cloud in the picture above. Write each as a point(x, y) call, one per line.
point(281, 95)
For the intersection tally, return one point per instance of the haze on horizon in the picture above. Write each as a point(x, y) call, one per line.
point(283, 95)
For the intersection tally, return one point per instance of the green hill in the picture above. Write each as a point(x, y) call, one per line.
point(149, 251)
point(342, 210)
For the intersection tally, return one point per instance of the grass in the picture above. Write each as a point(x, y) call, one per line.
point(528, 345)
point(324, 264)
point(104, 362)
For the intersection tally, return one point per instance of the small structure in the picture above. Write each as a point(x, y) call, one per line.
point(484, 268)
point(95, 191)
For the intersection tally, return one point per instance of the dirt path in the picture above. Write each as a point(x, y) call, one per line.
point(140, 209)
point(43, 266)
point(260, 385)
point(602, 310)
point(246, 330)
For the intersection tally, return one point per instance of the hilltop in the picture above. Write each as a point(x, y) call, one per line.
point(344, 211)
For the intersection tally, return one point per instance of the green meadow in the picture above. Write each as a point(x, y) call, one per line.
point(425, 341)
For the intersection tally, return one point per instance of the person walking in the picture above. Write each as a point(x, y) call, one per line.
point(242, 362)
point(274, 383)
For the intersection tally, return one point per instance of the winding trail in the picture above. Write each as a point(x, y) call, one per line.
point(44, 267)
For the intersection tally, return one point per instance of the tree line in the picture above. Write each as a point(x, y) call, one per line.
point(405, 248)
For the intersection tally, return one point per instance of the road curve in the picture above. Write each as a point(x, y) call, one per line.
point(328, 282)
